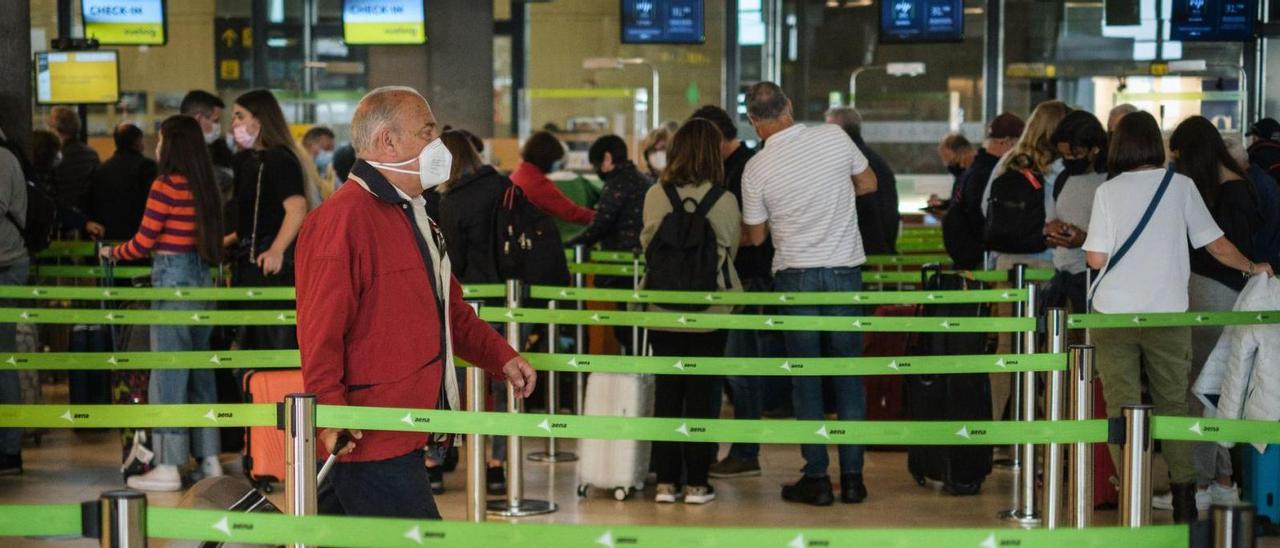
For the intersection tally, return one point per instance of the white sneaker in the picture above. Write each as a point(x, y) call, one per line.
point(1221, 495)
point(210, 467)
point(164, 477)
point(667, 493)
point(1162, 502)
point(1203, 500)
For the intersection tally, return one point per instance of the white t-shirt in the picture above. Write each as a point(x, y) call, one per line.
point(801, 184)
point(1153, 275)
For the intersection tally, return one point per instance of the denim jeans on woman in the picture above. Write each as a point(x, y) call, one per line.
point(176, 445)
point(10, 388)
point(807, 396)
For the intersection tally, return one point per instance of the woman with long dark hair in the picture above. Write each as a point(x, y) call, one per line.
point(182, 232)
point(273, 179)
point(1199, 152)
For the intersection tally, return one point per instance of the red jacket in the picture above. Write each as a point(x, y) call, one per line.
point(368, 322)
point(544, 193)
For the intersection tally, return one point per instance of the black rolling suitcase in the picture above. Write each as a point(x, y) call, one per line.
point(961, 468)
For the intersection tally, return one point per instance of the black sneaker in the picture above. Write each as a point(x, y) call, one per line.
point(734, 467)
point(814, 491)
point(10, 465)
point(435, 474)
point(450, 459)
point(852, 490)
point(495, 479)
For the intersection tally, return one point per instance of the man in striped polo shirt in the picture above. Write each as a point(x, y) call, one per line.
point(800, 189)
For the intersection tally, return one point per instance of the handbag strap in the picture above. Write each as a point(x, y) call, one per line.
point(257, 206)
point(1137, 231)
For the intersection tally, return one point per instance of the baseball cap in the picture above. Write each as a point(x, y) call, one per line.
point(1266, 128)
point(1006, 126)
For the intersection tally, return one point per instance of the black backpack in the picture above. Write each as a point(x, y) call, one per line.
point(683, 254)
point(42, 210)
point(528, 242)
point(1015, 212)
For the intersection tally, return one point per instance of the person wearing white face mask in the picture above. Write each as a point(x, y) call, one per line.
point(380, 315)
point(654, 148)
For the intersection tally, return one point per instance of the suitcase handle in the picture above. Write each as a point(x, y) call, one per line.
point(343, 439)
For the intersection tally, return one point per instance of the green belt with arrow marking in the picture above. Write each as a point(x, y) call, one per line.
point(751, 298)
point(1171, 319)
point(147, 317)
point(904, 365)
point(257, 359)
point(673, 320)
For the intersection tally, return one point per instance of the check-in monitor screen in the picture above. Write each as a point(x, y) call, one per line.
point(77, 77)
point(124, 22)
point(905, 21)
point(663, 22)
point(1213, 20)
point(384, 22)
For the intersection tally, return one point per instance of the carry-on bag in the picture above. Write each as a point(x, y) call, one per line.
point(620, 465)
point(264, 445)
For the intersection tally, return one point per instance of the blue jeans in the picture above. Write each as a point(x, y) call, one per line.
point(10, 388)
point(747, 392)
point(806, 392)
point(176, 445)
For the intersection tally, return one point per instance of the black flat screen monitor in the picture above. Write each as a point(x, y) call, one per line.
point(926, 21)
point(1213, 20)
point(663, 22)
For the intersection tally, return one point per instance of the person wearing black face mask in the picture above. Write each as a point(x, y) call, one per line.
point(957, 154)
point(1082, 143)
point(619, 213)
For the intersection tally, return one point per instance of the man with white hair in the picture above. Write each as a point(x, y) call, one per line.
point(1118, 112)
point(380, 316)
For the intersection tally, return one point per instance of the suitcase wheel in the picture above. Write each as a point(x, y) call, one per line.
point(964, 489)
point(582, 490)
point(621, 493)
point(920, 480)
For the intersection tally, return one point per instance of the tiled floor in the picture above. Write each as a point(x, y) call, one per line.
point(70, 467)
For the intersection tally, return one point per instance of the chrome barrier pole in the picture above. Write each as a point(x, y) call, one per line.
point(579, 331)
point(1051, 505)
point(1016, 407)
point(516, 505)
point(552, 454)
point(477, 466)
point(1080, 460)
point(1233, 525)
point(636, 347)
point(1135, 467)
point(123, 515)
point(1027, 514)
point(300, 455)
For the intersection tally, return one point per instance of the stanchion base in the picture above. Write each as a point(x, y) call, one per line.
point(553, 458)
point(1018, 517)
point(1005, 464)
point(528, 507)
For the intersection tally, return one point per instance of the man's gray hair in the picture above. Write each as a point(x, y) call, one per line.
point(1118, 112)
point(1237, 151)
point(767, 101)
point(378, 109)
point(848, 118)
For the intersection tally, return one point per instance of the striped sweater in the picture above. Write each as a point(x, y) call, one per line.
point(168, 225)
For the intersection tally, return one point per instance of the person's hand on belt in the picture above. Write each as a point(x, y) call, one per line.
point(521, 376)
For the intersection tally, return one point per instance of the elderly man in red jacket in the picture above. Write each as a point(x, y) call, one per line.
point(379, 314)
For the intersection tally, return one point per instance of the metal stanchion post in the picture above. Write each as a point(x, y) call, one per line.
point(1135, 467)
point(1080, 461)
point(1233, 525)
point(1026, 513)
point(477, 486)
point(636, 346)
point(123, 515)
point(300, 455)
point(516, 505)
point(579, 331)
point(1016, 403)
point(1051, 506)
point(552, 454)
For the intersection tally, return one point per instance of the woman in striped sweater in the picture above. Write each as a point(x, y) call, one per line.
point(182, 233)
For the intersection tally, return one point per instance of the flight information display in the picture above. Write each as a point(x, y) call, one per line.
point(77, 77)
point(124, 22)
point(905, 21)
point(663, 22)
point(383, 22)
point(1213, 20)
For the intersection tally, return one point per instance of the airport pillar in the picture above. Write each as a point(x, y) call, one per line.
point(16, 73)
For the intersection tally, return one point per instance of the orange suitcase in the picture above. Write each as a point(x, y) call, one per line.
point(264, 445)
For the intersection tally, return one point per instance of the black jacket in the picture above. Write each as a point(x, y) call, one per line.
point(467, 221)
point(1265, 154)
point(880, 229)
point(620, 211)
point(753, 262)
point(962, 229)
point(71, 180)
point(117, 193)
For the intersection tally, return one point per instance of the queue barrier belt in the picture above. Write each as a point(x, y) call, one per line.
point(275, 529)
point(117, 272)
point(563, 426)
point(187, 293)
point(147, 317)
point(768, 299)
point(270, 359)
point(675, 320)
point(872, 260)
point(868, 277)
point(1171, 319)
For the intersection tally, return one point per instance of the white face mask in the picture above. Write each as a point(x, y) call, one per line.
point(434, 163)
point(212, 135)
point(658, 160)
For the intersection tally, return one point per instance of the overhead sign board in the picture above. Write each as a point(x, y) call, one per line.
point(384, 22)
point(125, 22)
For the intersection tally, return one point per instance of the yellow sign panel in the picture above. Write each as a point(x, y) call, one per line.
point(229, 69)
point(384, 33)
point(84, 77)
point(124, 22)
point(391, 22)
point(1159, 68)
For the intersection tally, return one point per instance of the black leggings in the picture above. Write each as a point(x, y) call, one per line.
point(686, 396)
